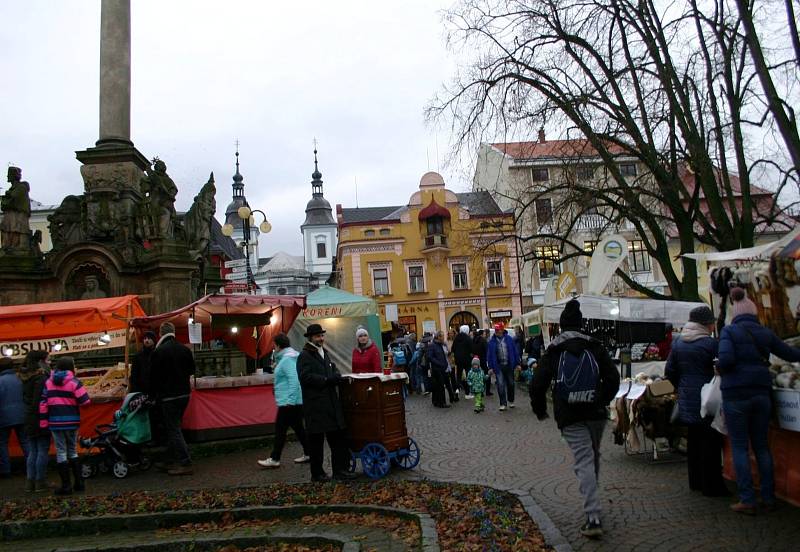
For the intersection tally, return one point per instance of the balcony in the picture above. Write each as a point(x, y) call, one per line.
point(435, 241)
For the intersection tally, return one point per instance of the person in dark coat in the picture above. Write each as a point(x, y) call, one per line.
point(462, 353)
point(322, 408)
point(502, 356)
point(140, 367)
point(437, 361)
point(690, 365)
point(33, 375)
point(581, 424)
point(12, 414)
point(171, 366)
point(744, 349)
point(479, 347)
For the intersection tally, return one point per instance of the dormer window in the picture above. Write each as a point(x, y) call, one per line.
point(369, 233)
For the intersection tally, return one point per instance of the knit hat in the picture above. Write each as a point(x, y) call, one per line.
point(362, 331)
point(741, 304)
point(476, 361)
point(150, 335)
point(572, 317)
point(701, 315)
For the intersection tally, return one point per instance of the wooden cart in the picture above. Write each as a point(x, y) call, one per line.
point(376, 422)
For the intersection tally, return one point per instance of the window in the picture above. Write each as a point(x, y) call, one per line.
point(547, 256)
point(544, 211)
point(416, 279)
point(589, 247)
point(435, 225)
point(540, 174)
point(627, 169)
point(384, 232)
point(585, 173)
point(320, 250)
point(639, 259)
point(369, 233)
point(494, 270)
point(459, 276)
point(380, 281)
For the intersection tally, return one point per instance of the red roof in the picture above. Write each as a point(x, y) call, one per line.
point(553, 149)
point(434, 210)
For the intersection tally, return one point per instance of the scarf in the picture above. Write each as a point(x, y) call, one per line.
point(366, 346)
point(320, 350)
point(693, 331)
point(163, 337)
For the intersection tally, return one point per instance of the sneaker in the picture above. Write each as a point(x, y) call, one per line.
point(742, 508)
point(426, 393)
point(270, 463)
point(477, 411)
point(468, 397)
point(511, 405)
point(303, 459)
point(502, 408)
point(592, 529)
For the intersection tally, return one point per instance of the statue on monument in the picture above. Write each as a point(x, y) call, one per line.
point(65, 222)
point(15, 231)
point(197, 222)
point(93, 290)
point(161, 191)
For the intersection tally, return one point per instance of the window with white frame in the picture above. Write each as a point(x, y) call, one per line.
point(494, 272)
point(416, 279)
point(638, 257)
point(459, 271)
point(321, 247)
point(627, 169)
point(380, 281)
point(540, 174)
point(547, 256)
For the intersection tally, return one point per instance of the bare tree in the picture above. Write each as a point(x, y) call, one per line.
point(666, 83)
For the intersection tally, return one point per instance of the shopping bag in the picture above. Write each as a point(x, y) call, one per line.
point(719, 422)
point(710, 397)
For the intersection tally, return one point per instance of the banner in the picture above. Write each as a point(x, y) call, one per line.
point(607, 257)
point(565, 285)
point(63, 345)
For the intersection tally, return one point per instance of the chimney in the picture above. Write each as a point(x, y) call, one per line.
point(541, 136)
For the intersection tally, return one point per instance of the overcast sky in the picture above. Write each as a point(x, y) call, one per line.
point(354, 74)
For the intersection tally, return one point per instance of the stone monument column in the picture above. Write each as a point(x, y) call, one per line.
point(115, 73)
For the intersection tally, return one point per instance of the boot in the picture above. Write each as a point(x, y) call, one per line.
point(63, 473)
point(75, 464)
point(41, 485)
point(30, 485)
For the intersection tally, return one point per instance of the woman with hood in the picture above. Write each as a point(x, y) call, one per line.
point(33, 375)
point(289, 398)
point(690, 365)
point(59, 411)
point(366, 356)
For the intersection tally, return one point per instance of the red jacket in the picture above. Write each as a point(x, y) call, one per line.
point(366, 361)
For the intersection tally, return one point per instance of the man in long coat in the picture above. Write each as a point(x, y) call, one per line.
point(322, 409)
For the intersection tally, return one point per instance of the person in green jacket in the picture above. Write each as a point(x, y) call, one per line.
point(289, 399)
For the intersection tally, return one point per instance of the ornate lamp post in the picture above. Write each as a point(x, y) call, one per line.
point(246, 215)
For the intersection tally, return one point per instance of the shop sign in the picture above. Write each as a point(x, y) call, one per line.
point(500, 314)
point(408, 309)
point(787, 404)
point(64, 345)
point(235, 263)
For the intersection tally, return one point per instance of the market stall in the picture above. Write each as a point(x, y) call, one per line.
point(70, 328)
point(224, 329)
point(340, 313)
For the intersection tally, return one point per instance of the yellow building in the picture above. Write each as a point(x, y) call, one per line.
point(436, 263)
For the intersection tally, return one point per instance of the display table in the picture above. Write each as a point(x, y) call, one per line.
point(785, 447)
point(230, 412)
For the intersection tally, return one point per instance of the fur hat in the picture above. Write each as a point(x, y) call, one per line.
point(571, 317)
point(741, 304)
point(701, 315)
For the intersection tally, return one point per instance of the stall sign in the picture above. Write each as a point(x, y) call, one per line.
point(65, 345)
point(787, 404)
point(500, 314)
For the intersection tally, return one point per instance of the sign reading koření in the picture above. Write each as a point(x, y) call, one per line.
point(64, 345)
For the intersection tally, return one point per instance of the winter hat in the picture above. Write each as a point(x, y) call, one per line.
point(464, 329)
point(150, 335)
point(531, 362)
point(476, 361)
point(571, 318)
point(741, 304)
point(701, 315)
point(362, 331)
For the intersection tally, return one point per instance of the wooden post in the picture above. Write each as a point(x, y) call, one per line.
point(127, 345)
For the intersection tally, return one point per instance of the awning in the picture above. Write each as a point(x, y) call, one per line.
point(67, 318)
point(434, 210)
point(328, 302)
point(626, 309)
point(759, 252)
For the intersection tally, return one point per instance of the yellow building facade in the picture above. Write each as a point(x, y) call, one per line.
point(436, 263)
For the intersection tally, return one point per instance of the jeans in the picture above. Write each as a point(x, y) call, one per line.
point(505, 385)
point(66, 441)
point(583, 439)
point(39, 447)
point(748, 423)
point(5, 435)
point(340, 455)
point(173, 410)
point(289, 416)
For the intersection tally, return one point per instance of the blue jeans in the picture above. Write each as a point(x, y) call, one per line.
point(505, 385)
point(5, 435)
point(748, 423)
point(66, 441)
point(39, 447)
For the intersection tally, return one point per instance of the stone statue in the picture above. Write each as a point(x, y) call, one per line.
point(65, 222)
point(16, 206)
point(197, 222)
point(161, 191)
point(93, 290)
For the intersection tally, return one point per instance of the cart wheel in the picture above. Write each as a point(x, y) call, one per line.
point(88, 470)
point(408, 458)
point(120, 470)
point(375, 459)
point(145, 463)
point(351, 467)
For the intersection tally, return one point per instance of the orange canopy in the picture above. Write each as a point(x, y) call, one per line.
point(52, 320)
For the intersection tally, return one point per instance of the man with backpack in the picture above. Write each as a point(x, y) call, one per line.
point(586, 381)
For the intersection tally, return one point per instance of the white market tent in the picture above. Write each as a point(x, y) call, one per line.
point(624, 309)
point(760, 252)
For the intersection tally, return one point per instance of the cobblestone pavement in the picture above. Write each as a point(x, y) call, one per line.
point(648, 507)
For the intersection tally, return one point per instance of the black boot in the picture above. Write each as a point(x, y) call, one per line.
point(75, 464)
point(63, 473)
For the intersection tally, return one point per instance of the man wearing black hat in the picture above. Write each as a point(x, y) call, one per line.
point(586, 382)
point(322, 409)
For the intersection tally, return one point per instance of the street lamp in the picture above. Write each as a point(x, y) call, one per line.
point(246, 215)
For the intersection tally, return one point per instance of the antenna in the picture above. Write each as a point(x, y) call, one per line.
point(428, 157)
point(355, 180)
point(438, 169)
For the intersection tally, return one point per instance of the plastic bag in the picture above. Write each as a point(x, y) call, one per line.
point(719, 422)
point(711, 397)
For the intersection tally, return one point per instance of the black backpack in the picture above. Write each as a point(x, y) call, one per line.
point(577, 378)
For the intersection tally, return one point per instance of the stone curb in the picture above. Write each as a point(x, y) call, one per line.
point(207, 544)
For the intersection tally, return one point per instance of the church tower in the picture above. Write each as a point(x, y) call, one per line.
point(319, 230)
point(232, 218)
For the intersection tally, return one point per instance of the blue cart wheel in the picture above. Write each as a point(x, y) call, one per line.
point(407, 458)
point(351, 467)
point(375, 460)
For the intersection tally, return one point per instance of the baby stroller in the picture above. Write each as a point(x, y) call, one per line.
point(116, 447)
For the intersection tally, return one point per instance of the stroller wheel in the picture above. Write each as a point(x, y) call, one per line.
point(120, 470)
point(88, 470)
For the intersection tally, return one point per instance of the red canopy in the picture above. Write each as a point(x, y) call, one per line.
point(434, 210)
point(267, 314)
point(53, 320)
